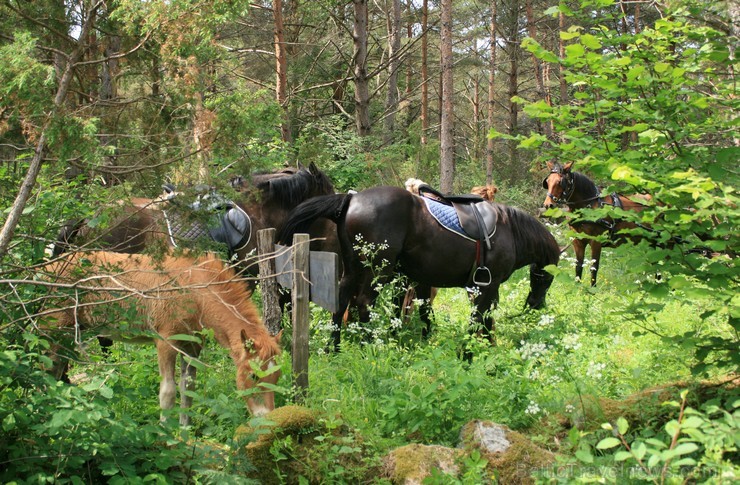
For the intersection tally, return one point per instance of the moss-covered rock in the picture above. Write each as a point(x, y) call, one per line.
point(294, 442)
point(410, 464)
point(511, 456)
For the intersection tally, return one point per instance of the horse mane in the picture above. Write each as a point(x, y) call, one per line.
point(584, 185)
point(530, 235)
point(290, 189)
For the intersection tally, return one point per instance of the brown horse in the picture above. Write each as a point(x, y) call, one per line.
point(576, 191)
point(173, 298)
point(140, 225)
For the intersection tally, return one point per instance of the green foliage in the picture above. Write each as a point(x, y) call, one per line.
point(249, 136)
point(25, 82)
point(337, 149)
point(56, 432)
point(645, 116)
point(699, 446)
point(431, 401)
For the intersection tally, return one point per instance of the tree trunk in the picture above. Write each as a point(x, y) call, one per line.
point(513, 42)
point(109, 91)
point(561, 53)
point(447, 155)
point(490, 144)
point(406, 101)
point(281, 67)
point(362, 91)
point(394, 46)
point(424, 73)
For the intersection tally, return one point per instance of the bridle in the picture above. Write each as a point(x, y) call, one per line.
point(566, 183)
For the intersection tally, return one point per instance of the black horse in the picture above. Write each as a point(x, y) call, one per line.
point(406, 237)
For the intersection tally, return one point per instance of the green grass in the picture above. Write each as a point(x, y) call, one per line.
point(549, 367)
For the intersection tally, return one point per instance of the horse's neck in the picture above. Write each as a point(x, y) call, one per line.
point(585, 192)
point(228, 320)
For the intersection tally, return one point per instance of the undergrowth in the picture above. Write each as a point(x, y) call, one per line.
point(555, 375)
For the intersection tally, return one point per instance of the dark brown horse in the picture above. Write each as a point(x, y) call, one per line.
point(139, 225)
point(576, 191)
point(407, 238)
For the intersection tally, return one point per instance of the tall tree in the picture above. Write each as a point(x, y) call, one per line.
point(281, 67)
point(90, 15)
point(512, 42)
point(394, 61)
point(362, 89)
point(490, 144)
point(542, 88)
point(447, 141)
point(424, 71)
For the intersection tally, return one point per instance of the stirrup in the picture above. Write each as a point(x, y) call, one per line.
point(482, 276)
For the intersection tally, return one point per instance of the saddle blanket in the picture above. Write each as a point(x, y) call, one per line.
point(223, 221)
point(446, 215)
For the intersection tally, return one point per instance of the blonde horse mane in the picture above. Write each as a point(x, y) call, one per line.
point(174, 295)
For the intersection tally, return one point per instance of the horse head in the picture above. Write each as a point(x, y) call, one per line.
point(559, 184)
point(256, 373)
point(539, 283)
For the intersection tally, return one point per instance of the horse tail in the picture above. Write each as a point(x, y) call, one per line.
point(332, 207)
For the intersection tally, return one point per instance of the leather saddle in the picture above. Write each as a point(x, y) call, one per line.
point(478, 220)
point(477, 217)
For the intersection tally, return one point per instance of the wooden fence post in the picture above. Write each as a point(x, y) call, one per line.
point(300, 301)
point(271, 311)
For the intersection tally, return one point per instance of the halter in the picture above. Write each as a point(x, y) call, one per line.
point(566, 182)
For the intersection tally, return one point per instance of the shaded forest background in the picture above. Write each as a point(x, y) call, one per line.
point(105, 99)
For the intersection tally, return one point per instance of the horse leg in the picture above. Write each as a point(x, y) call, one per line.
point(485, 302)
point(579, 248)
point(167, 358)
point(346, 292)
point(595, 258)
point(424, 294)
point(105, 345)
point(187, 381)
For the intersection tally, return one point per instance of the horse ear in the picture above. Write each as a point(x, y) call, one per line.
point(550, 165)
point(567, 166)
point(313, 168)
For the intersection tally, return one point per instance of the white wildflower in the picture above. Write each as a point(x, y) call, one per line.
point(571, 341)
point(546, 320)
point(533, 408)
point(595, 369)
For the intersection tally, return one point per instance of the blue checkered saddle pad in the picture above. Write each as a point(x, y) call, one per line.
point(446, 215)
